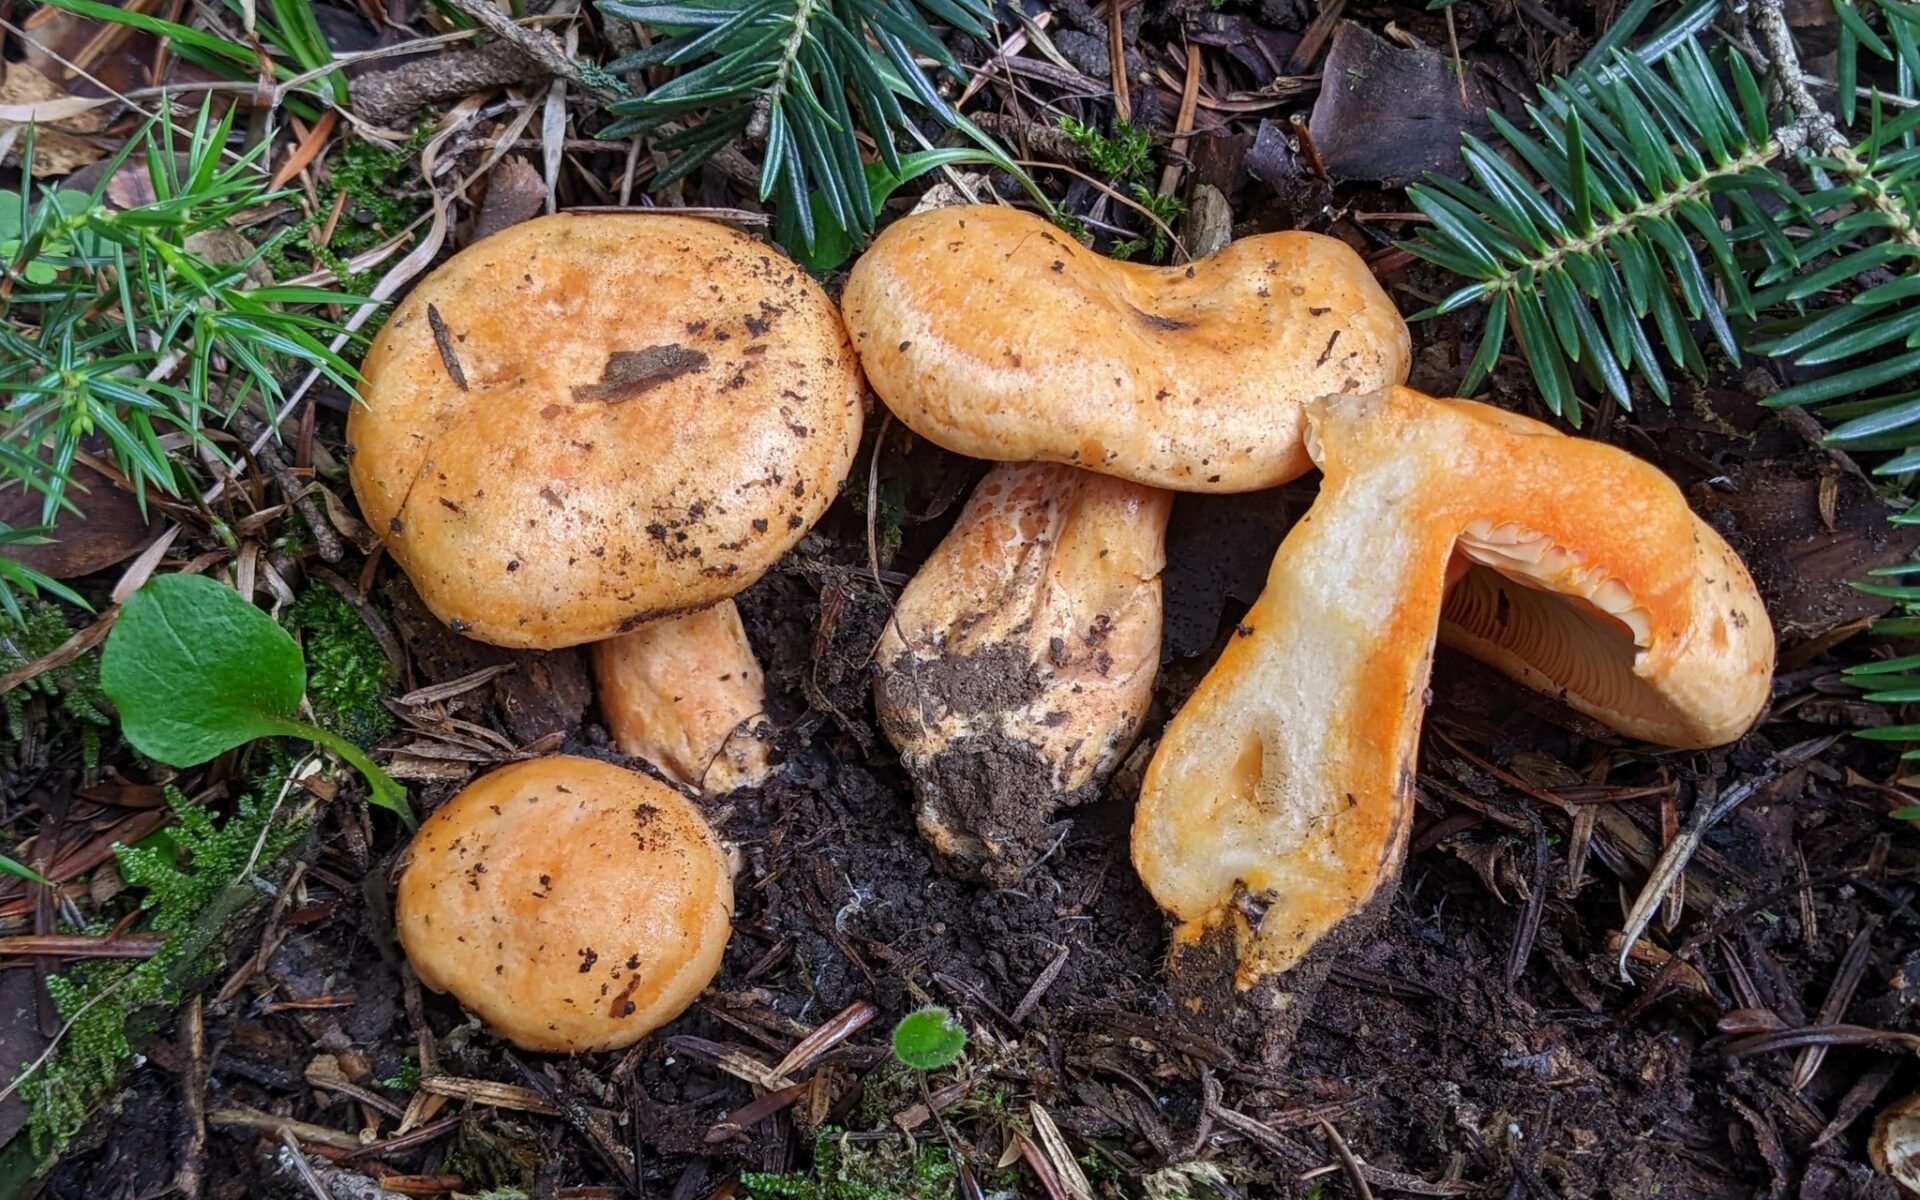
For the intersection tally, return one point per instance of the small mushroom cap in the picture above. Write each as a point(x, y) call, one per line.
point(654, 410)
point(570, 904)
point(993, 334)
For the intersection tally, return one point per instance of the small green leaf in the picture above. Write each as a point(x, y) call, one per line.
point(195, 670)
point(929, 1039)
point(10, 867)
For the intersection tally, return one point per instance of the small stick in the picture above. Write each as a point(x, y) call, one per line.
point(443, 340)
point(1183, 125)
point(302, 1167)
point(190, 1180)
point(1347, 1161)
point(318, 1135)
point(1459, 64)
point(1117, 63)
point(535, 45)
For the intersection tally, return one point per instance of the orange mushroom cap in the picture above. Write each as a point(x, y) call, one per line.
point(993, 334)
point(1276, 808)
point(570, 904)
point(586, 421)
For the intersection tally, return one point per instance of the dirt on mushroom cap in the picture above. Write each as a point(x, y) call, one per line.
point(585, 421)
point(992, 333)
point(571, 904)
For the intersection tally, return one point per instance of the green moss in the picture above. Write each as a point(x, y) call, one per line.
point(496, 1157)
point(348, 675)
point(843, 1170)
point(192, 879)
point(1125, 157)
point(1155, 242)
point(383, 191)
point(1122, 156)
point(407, 1078)
point(74, 688)
point(384, 195)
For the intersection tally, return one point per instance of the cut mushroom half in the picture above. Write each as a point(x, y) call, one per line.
point(993, 334)
point(589, 422)
point(1273, 818)
point(1020, 661)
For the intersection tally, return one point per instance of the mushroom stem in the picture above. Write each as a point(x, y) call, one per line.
point(1021, 658)
point(686, 694)
point(1273, 818)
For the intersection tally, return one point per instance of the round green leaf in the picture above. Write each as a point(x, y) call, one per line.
point(929, 1039)
point(195, 670)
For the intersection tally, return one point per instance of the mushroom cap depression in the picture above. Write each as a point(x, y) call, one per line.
point(1277, 804)
point(993, 334)
point(570, 904)
point(585, 421)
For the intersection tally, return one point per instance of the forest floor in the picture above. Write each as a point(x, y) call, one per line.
point(1479, 1042)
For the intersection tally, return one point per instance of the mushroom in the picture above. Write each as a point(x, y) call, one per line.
point(993, 334)
point(1020, 663)
point(585, 425)
point(571, 904)
point(1273, 817)
point(1894, 1145)
point(1021, 658)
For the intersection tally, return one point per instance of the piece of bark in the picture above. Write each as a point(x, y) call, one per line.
point(1391, 114)
point(1805, 571)
point(1276, 159)
point(431, 81)
point(108, 528)
point(515, 193)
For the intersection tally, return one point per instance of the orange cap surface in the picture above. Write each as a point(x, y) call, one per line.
point(993, 334)
point(570, 904)
point(586, 421)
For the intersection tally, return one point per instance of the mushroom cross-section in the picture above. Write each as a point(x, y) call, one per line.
point(585, 423)
point(571, 904)
point(1022, 657)
point(1274, 815)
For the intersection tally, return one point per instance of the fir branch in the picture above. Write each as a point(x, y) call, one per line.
point(799, 79)
point(134, 324)
point(1629, 173)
